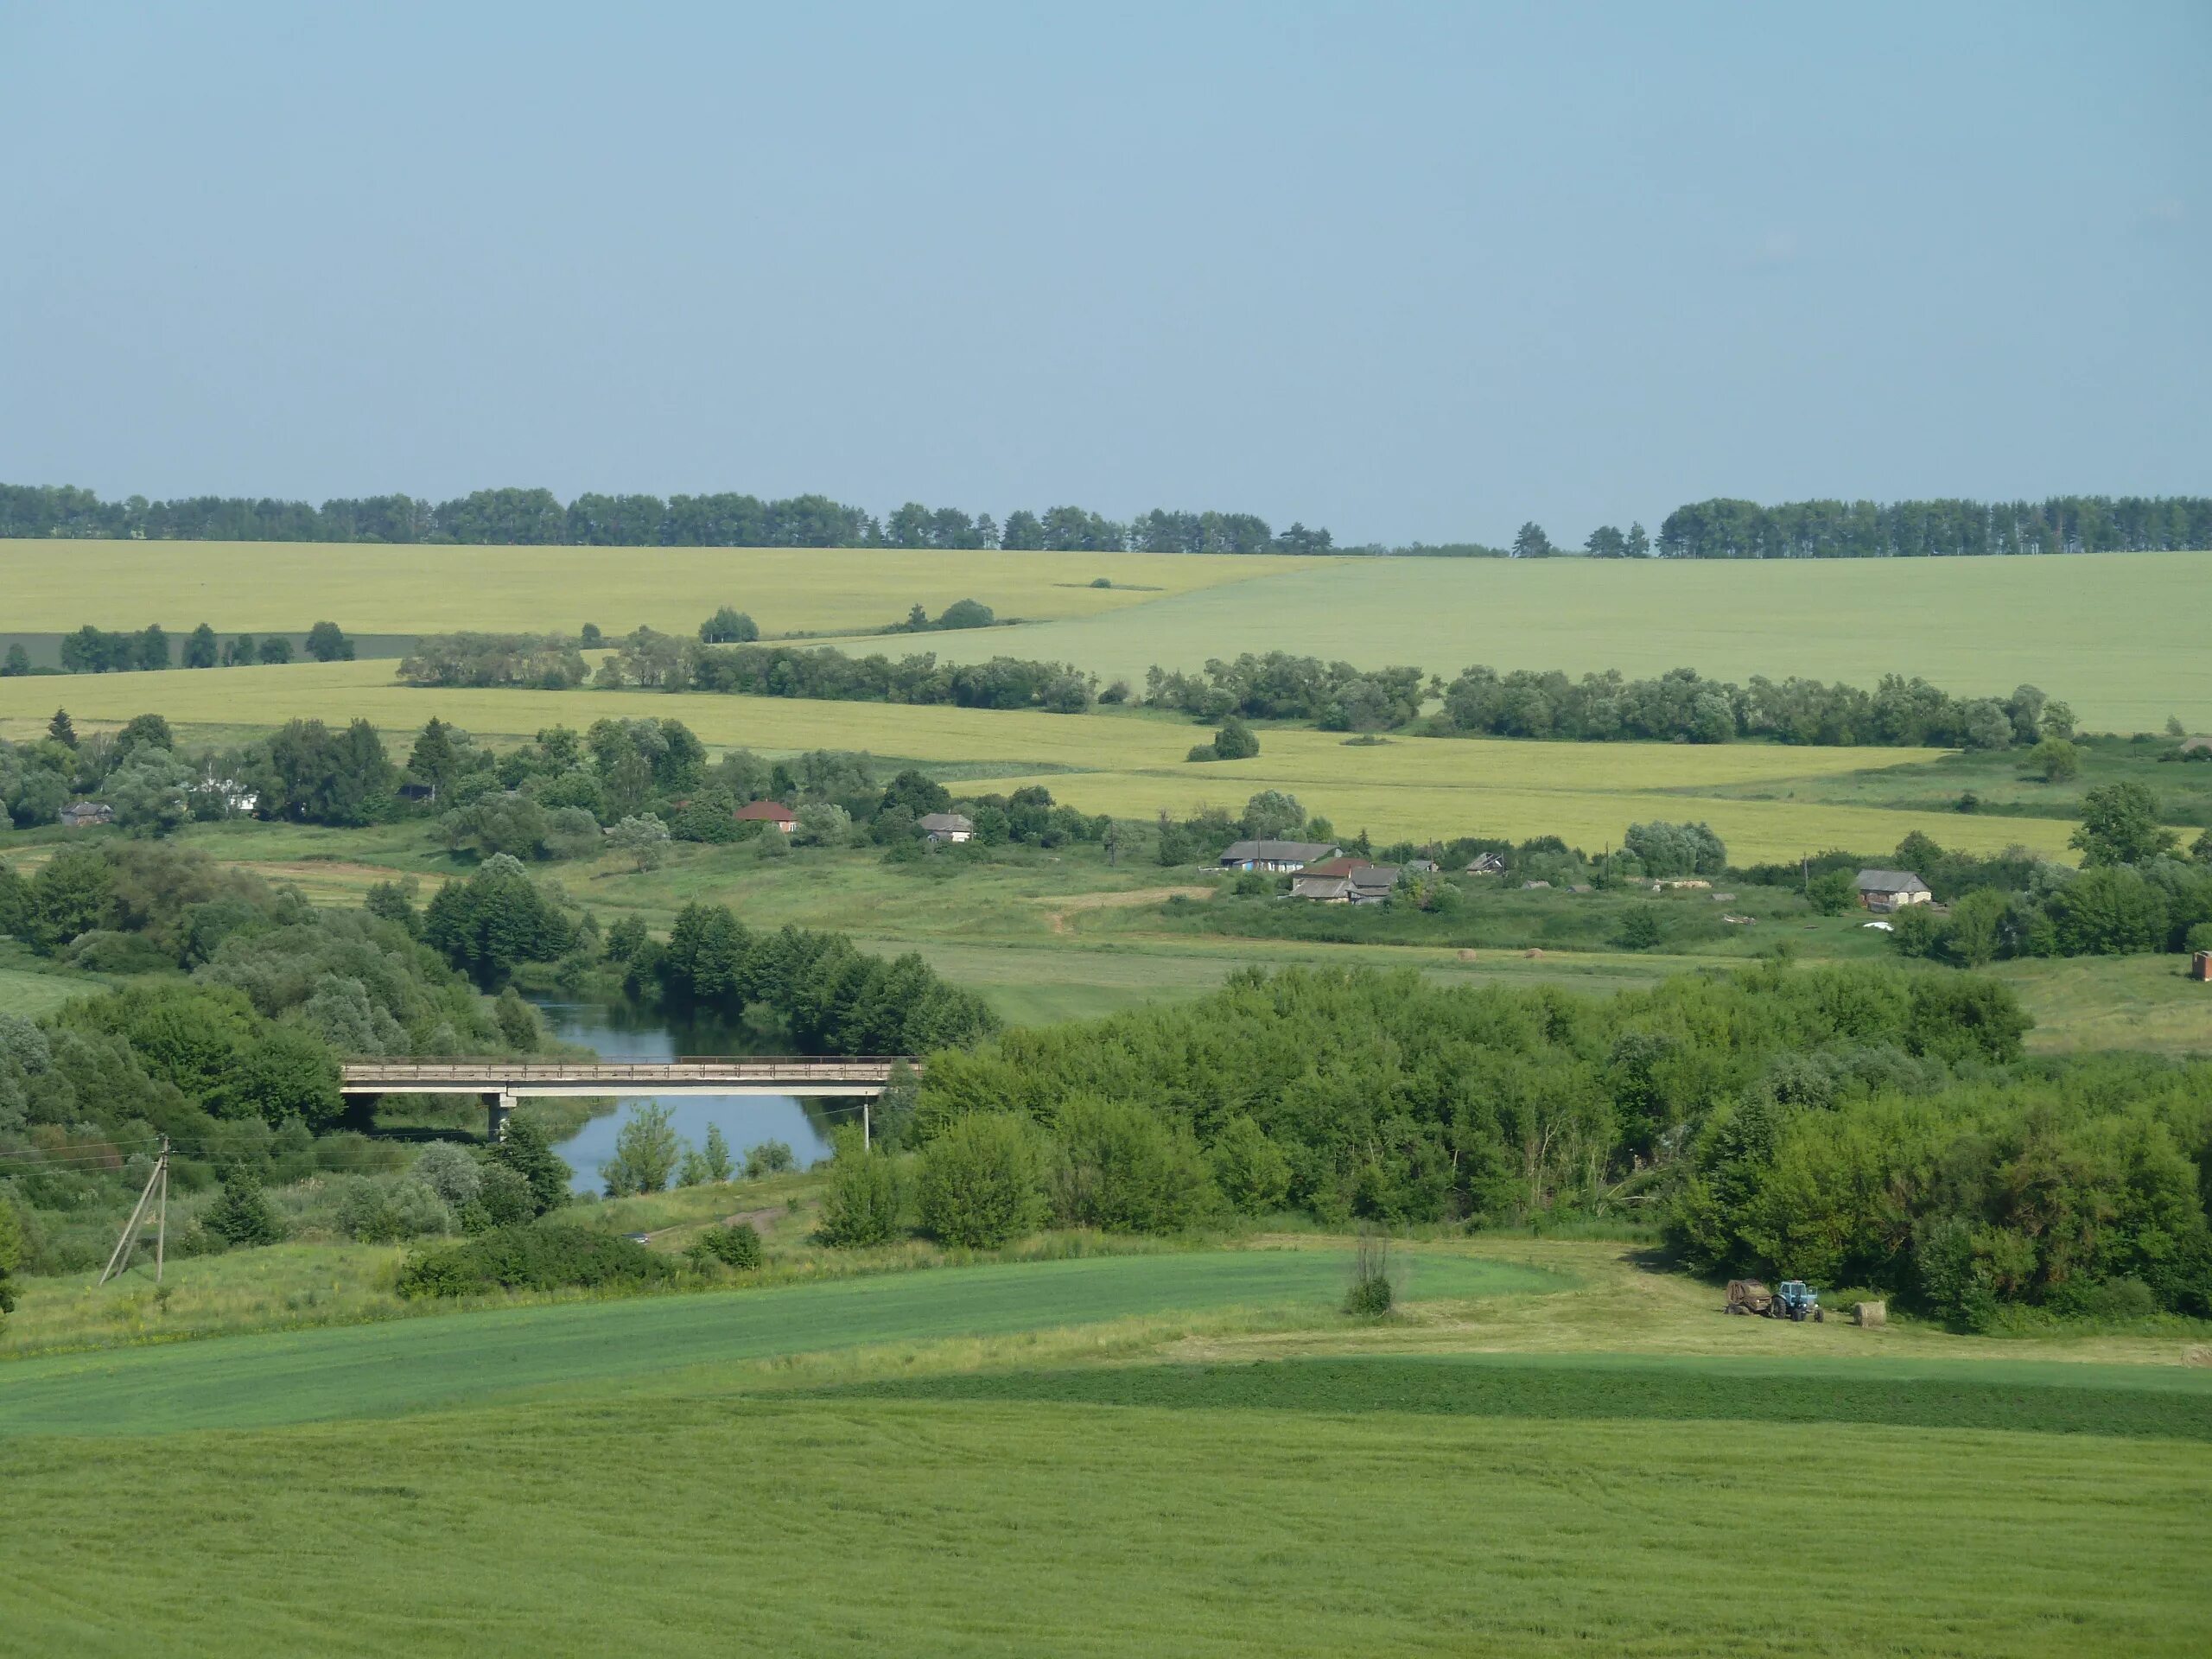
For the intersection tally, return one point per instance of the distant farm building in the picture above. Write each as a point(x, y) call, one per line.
point(1487, 864)
point(84, 815)
point(1281, 855)
point(1883, 891)
point(1345, 881)
point(947, 826)
point(2200, 965)
point(773, 812)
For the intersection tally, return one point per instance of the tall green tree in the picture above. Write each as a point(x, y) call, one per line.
point(646, 1151)
point(2120, 825)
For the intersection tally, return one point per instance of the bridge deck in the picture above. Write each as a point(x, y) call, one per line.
point(752, 1075)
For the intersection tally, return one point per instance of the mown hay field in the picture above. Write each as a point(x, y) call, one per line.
point(1129, 764)
point(54, 587)
point(970, 1481)
point(2121, 636)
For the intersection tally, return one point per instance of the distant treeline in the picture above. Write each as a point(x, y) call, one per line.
point(1678, 706)
point(537, 517)
point(1875, 529)
point(1683, 706)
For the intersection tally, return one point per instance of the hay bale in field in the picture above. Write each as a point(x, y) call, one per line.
point(1532, 951)
point(1468, 956)
point(1870, 1314)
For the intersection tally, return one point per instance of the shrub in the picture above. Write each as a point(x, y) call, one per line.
point(769, 1158)
point(1639, 929)
point(1235, 740)
point(243, 1215)
point(1833, 894)
point(448, 1170)
point(860, 1207)
point(504, 1199)
point(735, 1247)
point(978, 1183)
point(533, 1258)
point(1124, 1168)
point(1251, 1171)
point(1371, 1294)
point(384, 1212)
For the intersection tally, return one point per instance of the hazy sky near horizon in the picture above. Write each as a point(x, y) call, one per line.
point(1410, 271)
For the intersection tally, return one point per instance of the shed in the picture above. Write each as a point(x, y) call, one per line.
point(773, 812)
point(948, 826)
point(82, 815)
point(1882, 891)
point(1291, 855)
point(2200, 965)
point(1486, 864)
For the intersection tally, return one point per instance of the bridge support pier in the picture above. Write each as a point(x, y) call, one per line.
point(496, 1108)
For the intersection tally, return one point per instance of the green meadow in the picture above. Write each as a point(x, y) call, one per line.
point(1187, 1454)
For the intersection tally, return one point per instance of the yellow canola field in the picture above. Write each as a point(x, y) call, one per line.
point(1127, 763)
point(258, 586)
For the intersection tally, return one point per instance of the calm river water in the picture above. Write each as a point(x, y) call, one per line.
point(624, 1030)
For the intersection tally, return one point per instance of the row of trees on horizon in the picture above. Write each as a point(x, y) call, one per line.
point(1717, 528)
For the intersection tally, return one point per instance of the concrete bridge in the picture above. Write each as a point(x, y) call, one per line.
point(501, 1082)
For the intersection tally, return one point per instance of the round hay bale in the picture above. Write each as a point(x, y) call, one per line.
point(1870, 1314)
point(1469, 956)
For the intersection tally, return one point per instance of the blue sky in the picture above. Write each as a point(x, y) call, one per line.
point(1409, 271)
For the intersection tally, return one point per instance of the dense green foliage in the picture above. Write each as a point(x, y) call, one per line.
point(540, 1258)
point(495, 920)
point(1871, 530)
point(536, 517)
point(737, 1246)
point(546, 661)
point(1681, 705)
point(1280, 686)
point(859, 1202)
point(978, 1181)
point(228, 1044)
point(663, 663)
point(833, 997)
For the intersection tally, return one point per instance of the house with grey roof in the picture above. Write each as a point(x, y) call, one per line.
point(1883, 891)
point(947, 826)
point(1291, 855)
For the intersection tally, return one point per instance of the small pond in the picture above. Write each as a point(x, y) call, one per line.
point(628, 1031)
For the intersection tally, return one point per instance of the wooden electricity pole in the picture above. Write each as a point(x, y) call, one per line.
point(119, 1262)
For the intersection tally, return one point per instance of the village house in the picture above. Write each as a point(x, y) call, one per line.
point(947, 826)
point(1487, 864)
point(1882, 891)
point(82, 815)
point(1345, 881)
point(1278, 856)
point(773, 812)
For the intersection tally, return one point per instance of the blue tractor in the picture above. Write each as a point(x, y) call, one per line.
point(1795, 1300)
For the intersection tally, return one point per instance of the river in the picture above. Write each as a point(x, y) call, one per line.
point(625, 1031)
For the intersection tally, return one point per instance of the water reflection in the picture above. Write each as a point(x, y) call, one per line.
point(630, 1031)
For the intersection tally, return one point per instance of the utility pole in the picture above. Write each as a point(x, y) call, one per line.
point(119, 1262)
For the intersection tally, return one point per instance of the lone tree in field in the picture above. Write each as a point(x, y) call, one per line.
point(1531, 542)
point(728, 627)
point(326, 644)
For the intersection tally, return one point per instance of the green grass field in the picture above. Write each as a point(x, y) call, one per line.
point(262, 586)
point(1167, 1454)
point(2120, 635)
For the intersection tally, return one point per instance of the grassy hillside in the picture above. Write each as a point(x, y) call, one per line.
point(2117, 635)
point(2120, 635)
point(262, 586)
point(669, 1476)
